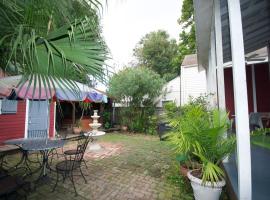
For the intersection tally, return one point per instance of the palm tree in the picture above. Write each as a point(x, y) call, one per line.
point(52, 42)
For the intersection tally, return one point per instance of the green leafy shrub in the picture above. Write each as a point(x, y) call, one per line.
point(137, 89)
point(198, 133)
point(106, 119)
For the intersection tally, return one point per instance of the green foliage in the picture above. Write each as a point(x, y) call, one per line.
point(152, 125)
point(198, 132)
point(159, 53)
point(51, 42)
point(137, 89)
point(136, 86)
point(171, 110)
point(139, 119)
point(260, 132)
point(85, 106)
point(187, 43)
point(106, 119)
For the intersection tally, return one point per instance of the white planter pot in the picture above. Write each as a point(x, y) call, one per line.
point(208, 191)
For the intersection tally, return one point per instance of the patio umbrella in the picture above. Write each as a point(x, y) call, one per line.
point(25, 91)
point(61, 92)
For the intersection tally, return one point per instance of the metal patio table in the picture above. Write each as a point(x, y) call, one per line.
point(24, 161)
point(43, 145)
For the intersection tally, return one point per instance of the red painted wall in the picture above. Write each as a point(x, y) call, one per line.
point(262, 77)
point(12, 125)
point(249, 88)
point(229, 96)
point(51, 128)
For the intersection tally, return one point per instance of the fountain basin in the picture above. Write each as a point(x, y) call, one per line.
point(95, 126)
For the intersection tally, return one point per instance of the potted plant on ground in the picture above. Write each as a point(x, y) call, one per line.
point(182, 121)
point(210, 147)
point(198, 133)
point(82, 124)
point(77, 129)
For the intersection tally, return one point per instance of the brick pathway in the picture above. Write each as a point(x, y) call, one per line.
point(124, 170)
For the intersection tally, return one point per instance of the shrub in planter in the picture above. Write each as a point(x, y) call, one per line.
point(210, 146)
point(186, 164)
point(77, 129)
point(198, 133)
point(185, 127)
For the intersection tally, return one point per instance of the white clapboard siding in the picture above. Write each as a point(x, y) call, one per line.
point(193, 82)
point(170, 92)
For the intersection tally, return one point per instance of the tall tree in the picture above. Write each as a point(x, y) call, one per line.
point(51, 42)
point(137, 88)
point(187, 43)
point(159, 53)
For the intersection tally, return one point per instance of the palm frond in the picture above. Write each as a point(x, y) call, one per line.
point(48, 56)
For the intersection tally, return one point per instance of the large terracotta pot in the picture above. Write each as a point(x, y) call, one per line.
point(85, 124)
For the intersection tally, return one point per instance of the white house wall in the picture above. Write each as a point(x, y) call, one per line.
point(171, 92)
point(193, 83)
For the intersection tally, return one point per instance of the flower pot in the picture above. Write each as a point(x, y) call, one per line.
point(183, 170)
point(187, 166)
point(85, 124)
point(77, 130)
point(207, 191)
point(124, 128)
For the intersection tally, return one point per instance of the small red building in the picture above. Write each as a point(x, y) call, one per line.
point(24, 119)
point(21, 117)
point(28, 112)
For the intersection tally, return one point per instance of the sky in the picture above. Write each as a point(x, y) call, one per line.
point(125, 22)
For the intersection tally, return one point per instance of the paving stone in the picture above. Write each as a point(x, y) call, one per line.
point(118, 172)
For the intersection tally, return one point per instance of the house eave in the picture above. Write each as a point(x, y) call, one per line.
point(203, 16)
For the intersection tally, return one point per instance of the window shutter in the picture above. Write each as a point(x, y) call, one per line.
point(9, 106)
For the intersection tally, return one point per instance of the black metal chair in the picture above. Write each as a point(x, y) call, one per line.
point(255, 121)
point(73, 163)
point(72, 152)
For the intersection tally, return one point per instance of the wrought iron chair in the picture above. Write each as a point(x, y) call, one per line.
point(36, 134)
point(255, 121)
point(73, 163)
point(72, 152)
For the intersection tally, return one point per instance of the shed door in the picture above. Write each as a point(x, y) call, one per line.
point(38, 119)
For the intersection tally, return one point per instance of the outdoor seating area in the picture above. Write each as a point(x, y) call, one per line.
point(135, 100)
point(121, 170)
point(35, 157)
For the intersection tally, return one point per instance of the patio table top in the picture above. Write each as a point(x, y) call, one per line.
point(36, 144)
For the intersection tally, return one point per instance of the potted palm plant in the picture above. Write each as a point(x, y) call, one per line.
point(198, 133)
point(182, 122)
point(210, 147)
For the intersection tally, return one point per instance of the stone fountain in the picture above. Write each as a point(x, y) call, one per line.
point(94, 146)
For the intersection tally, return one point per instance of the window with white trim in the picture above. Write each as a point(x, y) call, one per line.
point(8, 106)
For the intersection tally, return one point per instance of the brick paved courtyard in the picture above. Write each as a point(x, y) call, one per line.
point(128, 167)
